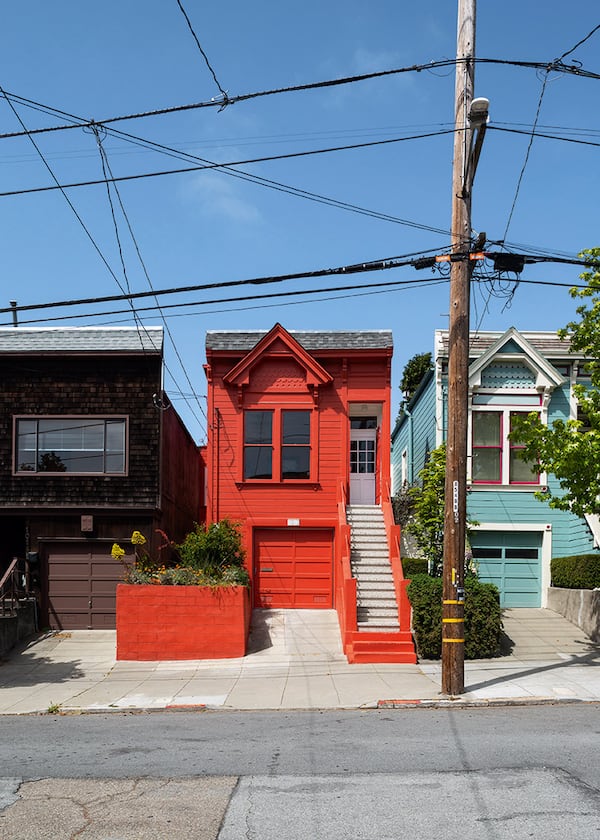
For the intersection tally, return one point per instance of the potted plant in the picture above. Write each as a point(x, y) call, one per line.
point(195, 608)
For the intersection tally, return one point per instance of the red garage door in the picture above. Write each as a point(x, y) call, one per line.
point(293, 568)
point(81, 586)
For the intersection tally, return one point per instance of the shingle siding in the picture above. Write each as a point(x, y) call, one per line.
point(83, 386)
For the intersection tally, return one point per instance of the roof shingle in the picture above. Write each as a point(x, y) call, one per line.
point(81, 340)
point(311, 340)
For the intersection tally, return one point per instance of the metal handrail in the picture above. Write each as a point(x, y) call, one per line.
point(8, 589)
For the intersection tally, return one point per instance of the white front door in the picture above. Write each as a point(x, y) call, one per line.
point(363, 446)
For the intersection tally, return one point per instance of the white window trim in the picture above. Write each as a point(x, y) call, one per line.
point(504, 483)
point(506, 409)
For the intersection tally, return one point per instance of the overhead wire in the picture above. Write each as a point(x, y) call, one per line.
point(372, 287)
point(139, 326)
point(354, 268)
point(269, 183)
point(204, 56)
point(219, 102)
point(107, 168)
point(244, 162)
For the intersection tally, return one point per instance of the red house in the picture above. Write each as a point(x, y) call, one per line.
point(299, 453)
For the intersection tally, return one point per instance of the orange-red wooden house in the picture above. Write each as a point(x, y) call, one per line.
point(298, 452)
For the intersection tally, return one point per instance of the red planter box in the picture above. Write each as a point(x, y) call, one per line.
point(181, 622)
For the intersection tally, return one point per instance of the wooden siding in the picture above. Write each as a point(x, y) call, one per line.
point(418, 441)
point(182, 478)
point(94, 386)
point(278, 381)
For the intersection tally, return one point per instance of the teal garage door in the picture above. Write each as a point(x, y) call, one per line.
point(511, 561)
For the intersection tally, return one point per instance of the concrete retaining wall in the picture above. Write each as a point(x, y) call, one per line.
point(13, 628)
point(580, 606)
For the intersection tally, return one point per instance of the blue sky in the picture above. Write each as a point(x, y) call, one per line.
point(102, 60)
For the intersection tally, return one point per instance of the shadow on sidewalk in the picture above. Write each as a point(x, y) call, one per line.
point(260, 631)
point(590, 657)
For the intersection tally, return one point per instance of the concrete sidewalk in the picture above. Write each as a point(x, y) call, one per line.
point(295, 661)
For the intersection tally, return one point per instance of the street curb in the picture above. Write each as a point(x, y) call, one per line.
point(441, 703)
point(466, 703)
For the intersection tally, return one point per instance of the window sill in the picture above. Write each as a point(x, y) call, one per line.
point(512, 488)
point(288, 482)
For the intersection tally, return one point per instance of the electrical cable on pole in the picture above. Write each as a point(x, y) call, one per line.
point(469, 115)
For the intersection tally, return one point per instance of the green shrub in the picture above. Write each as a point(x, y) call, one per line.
point(412, 566)
point(580, 571)
point(216, 552)
point(483, 617)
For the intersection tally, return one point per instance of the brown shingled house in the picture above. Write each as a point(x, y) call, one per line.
point(90, 450)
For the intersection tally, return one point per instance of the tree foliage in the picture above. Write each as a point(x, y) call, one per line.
point(412, 376)
point(427, 523)
point(569, 449)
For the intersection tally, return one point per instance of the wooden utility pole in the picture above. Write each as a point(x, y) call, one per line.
point(455, 514)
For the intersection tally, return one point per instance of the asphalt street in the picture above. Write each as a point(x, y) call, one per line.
point(498, 773)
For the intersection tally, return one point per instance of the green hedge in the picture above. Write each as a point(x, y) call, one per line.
point(412, 566)
point(483, 617)
point(580, 571)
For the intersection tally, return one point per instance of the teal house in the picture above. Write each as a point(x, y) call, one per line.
point(510, 373)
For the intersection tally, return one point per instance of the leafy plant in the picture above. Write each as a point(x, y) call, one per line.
point(206, 557)
point(427, 522)
point(483, 617)
point(570, 450)
point(412, 376)
point(214, 549)
point(580, 571)
point(412, 566)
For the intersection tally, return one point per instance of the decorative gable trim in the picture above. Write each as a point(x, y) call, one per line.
point(278, 342)
point(514, 347)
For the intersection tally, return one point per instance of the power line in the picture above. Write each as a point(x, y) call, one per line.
point(356, 268)
point(555, 65)
point(544, 136)
point(372, 287)
point(266, 159)
point(579, 43)
point(272, 184)
point(527, 153)
point(204, 56)
point(105, 167)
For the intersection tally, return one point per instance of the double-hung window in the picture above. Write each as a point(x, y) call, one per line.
point(70, 445)
point(277, 444)
point(495, 458)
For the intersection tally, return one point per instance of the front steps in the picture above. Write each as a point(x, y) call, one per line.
point(378, 637)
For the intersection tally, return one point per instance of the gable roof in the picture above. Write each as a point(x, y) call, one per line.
point(276, 338)
point(547, 344)
point(311, 340)
point(513, 345)
point(81, 340)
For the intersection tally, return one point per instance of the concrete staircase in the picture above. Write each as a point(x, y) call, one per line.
point(379, 638)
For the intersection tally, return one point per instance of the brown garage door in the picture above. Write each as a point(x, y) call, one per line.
point(81, 580)
point(293, 568)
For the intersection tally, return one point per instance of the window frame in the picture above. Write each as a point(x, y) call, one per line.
point(506, 447)
point(104, 418)
point(278, 445)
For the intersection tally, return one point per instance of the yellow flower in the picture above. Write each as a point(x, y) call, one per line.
point(137, 538)
point(117, 552)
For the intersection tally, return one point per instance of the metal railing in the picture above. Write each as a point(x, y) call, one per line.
point(14, 585)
